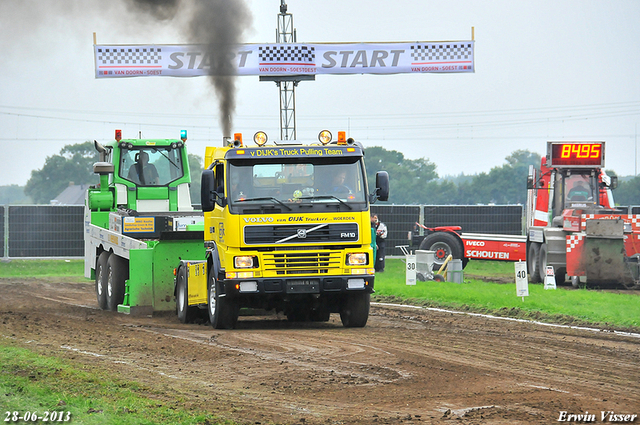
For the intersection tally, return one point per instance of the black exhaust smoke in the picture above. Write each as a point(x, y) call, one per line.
point(220, 26)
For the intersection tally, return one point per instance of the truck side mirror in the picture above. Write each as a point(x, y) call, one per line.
point(530, 184)
point(207, 196)
point(382, 185)
point(614, 182)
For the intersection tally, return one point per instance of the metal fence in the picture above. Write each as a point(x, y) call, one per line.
point(38, 231)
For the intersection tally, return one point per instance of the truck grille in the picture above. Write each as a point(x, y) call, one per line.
point(308, 263)
point(301, 233)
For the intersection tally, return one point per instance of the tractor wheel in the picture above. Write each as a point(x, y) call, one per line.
point(185, 313)
point(101, 279)
point(443, 244)
point(438, 278)
point(117, 275)
point(532, 263)
point(355, 310)
point(223, 312)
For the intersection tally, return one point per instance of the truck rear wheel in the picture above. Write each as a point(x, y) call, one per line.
point(354, 312)
point(117, 275)
point(443, 244)
point(533, 264)
point(101, 279)
point(185, 313)
point(223, 312)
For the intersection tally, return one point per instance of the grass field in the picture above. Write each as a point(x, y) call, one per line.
point(30, 382)
point(42, 268)
point(563, 305)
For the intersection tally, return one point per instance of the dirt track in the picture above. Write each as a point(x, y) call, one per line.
point(406, 366)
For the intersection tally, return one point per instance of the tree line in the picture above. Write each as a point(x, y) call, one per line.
point(413, 181)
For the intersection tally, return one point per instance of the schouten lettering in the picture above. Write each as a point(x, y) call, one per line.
point(258, 219)
point(488, 254)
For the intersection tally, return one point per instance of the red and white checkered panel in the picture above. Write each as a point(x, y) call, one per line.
point(633, 219)
point(575, 245)
point(573, 241)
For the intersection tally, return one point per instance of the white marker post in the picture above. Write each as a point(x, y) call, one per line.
point(411, 269)
point(549, 278)
point(522, 280)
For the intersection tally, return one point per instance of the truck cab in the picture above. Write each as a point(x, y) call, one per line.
point(150, 175)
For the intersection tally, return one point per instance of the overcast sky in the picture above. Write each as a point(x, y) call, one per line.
point(545, 70)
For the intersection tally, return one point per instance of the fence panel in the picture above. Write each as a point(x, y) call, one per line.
point(45, 231)
point(2, 231)
point(493, 219)
point(399, 220)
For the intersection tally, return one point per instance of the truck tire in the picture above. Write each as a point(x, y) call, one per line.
point(354, 311)
point(117, 275)
point(101, 279)
point(185, 313)
point(223, 312)
point(533, 265)
point(444, 244)
point(542, 261)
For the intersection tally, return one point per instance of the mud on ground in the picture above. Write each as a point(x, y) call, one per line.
point(406, 366)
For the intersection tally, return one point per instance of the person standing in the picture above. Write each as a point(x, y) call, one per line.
point(381, 240)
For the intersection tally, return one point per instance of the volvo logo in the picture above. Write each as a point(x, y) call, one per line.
point(258, 220)
point(302, 233)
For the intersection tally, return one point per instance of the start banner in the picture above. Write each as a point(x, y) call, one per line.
point(193, 60)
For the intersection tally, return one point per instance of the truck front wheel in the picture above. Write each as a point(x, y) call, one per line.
point(223, 312)
point(101, 279)
point(355, 310)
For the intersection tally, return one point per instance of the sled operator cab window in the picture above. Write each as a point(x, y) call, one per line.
point(315, 185)
point(579, 189)
point(151, 166)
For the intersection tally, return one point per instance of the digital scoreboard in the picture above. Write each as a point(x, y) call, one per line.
point(575, 154)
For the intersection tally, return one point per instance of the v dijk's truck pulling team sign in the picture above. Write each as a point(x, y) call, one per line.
point(113, 61)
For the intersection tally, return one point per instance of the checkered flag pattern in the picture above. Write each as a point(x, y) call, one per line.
point(635, 220)
point(573, 241)
point(287, 54)
point(441, 52)
point(130, 56)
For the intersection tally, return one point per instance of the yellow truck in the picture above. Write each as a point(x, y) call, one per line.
point(286, 229)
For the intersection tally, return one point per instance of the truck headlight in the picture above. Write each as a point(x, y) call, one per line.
point(244, 262)
point(356, 259)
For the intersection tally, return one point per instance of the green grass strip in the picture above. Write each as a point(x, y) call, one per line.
point(30, 382)
point(563, 305)
point(42, 268)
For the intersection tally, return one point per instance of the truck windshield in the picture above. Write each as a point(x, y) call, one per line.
point(306, 184)
point(151, 166)
point(579, 190)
